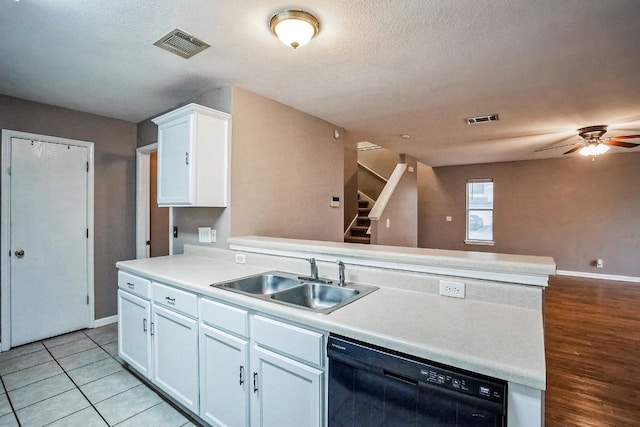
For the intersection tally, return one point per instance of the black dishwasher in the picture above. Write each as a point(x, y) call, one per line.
point(371, 386)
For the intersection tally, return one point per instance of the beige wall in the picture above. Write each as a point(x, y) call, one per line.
point(285, 167)
point(401, 211)
point(114, 187)
point(573, 209)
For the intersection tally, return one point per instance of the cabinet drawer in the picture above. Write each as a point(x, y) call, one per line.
point(134, 284)
point(184, 302)
point(225, 317)
point(289, 340)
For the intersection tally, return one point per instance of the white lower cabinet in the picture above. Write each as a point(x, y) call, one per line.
point(158, 336)
point(175, 356)
point(258, 375)
point(224, 378)
point(134, 337)
point(226, 365)
point(285, 392)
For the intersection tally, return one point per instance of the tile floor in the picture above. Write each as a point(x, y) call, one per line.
point(76, 380)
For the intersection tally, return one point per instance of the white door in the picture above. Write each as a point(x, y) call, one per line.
point(224, 378)
point(175, 356)
point(285, 393)
point(134, 336)
point(49, 270)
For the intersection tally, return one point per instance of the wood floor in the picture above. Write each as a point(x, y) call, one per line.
point(592, 340)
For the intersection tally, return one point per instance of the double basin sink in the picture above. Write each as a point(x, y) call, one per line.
point(288, 289)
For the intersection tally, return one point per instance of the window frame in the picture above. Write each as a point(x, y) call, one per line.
point(467, 240)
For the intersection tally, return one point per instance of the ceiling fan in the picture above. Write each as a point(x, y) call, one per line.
point(593, 144)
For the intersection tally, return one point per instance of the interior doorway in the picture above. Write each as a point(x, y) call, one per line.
point(152, 222)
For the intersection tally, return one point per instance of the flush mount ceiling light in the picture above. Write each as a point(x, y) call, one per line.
point(294, 28)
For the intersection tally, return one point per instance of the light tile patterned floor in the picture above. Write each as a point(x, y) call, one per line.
point(76, 379)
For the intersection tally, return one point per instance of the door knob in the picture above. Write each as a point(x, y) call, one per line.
point(19, 253)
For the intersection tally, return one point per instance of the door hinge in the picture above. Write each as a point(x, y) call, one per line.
point(87, 166)
point(87, 233)
point(9, 171)
point(87, 299)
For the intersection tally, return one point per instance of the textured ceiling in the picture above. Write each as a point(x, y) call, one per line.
point(377, 68)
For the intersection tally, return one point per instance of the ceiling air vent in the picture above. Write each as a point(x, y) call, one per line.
point(181, 43)
point(482, 119)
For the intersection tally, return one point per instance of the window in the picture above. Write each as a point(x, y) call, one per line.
point(480, 211)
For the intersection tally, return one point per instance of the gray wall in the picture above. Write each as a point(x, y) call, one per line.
point(114, 174)
point(573, 209)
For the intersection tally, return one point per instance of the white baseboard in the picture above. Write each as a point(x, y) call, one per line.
point(599, 276)
point(105, 321)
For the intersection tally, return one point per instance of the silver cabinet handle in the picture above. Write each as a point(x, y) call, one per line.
point(255, 382)
point(131, 285)
point(170, 300)
point(144, 325)
point(151, 328)
point(186, 158)
point(241, 375)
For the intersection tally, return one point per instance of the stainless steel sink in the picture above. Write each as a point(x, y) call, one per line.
point(262, 284)
point(288, 289)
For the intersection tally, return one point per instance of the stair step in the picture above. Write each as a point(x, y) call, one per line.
point(360, 228)
point(363, 221)
point(354, 239)
point(364, 211)
point(363, 203)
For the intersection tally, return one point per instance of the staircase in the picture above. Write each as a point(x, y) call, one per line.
point(358, 232)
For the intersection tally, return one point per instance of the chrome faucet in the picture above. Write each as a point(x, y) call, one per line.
point(340, 273)
point(313, 277)
point(314, 268)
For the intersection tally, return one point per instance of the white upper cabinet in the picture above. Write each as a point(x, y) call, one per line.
point(193, 152)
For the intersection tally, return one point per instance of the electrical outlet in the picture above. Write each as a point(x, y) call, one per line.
point(204, 234)
point(452, 289)
point(241, 259)
point(599, 263)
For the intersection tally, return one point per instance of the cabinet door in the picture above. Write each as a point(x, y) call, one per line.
point(134, 337)
point(224, 378)
point(284, 392)
point(175, 356)
point(175, 162)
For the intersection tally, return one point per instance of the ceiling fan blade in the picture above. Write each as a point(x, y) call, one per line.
point(614, 142)
point(574, 149)
point(626, 137)
point(557, 146)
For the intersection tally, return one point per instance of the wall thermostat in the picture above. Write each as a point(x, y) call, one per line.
point(335, 202)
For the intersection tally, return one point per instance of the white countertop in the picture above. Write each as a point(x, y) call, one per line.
point(497, 340)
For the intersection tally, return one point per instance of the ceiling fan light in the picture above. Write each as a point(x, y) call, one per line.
point(294, 28)
point(594, 149)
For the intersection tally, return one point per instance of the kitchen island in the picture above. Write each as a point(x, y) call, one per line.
point(496, 330)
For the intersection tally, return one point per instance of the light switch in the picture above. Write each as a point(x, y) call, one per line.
point(204, 234)
point(448, 218)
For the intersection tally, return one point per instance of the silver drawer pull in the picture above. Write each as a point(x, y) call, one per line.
point(131, 285)
point(255, 382)
point(171, 301)
point(144, 325)
point(241, 375)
